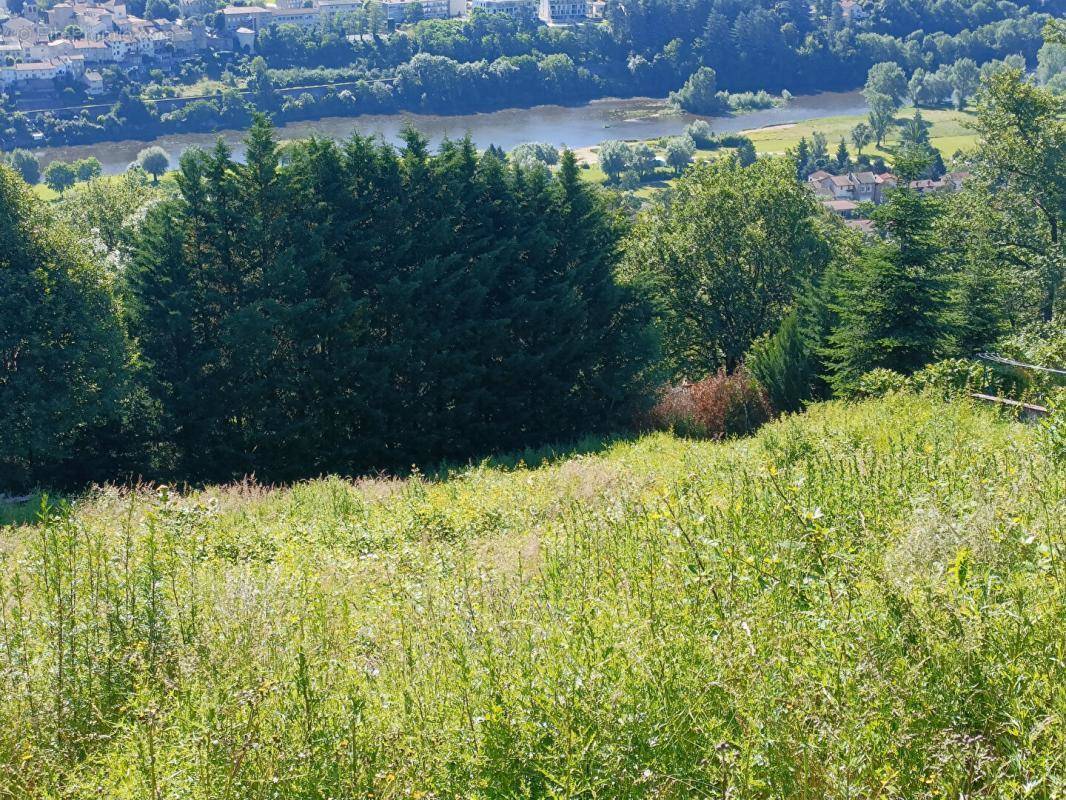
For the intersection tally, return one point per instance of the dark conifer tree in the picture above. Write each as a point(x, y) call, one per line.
point(361, 308)
point(892, 300)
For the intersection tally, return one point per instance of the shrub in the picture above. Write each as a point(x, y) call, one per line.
point(751, 101)
point(1042, 344)
point(954, 377)
point(879, 382)
point(720, 405)
point(529, 153)
point(700, 132)
point(783, 366)
point(950, 378)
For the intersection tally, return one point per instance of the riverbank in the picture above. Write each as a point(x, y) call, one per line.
point(575, 127)
point(948, 133)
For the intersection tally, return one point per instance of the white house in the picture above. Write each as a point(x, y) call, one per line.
point(94, 83)
point(253, 17)
point(327, 7)
point(563, 12)
point(516, 9)
point(396, 11)
point(301, 17)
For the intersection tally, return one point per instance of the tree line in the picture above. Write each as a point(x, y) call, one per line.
point(356, 308)
point(353, 307)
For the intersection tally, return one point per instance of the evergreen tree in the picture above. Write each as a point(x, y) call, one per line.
point(842, 161)
point(784, 366)
point(361, 308)
point(802, 157)
point(892, 301)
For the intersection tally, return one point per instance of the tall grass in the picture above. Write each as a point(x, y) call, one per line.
point(864, 601)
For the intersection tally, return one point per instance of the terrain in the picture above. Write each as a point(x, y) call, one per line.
point(864, 600)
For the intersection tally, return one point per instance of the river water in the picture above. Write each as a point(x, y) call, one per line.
point(570, 126)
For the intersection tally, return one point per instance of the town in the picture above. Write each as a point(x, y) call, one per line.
point(42, 50)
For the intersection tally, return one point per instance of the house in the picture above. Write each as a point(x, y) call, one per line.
point(956, 179)
point(865, 184)
point(563, 12)
point(32, 73)
point(927, 186)
point(845, 208)
point(94, 83)
point(398, 11)
point(245, 38)
point(61, 15)
point(863, 226)
point(94, 51)
point(254, 17)
point(860, 187)
point(300, 17)
point(328, 7)
point(516, 9)
point(12, 50)
point(19, 28)
point(120, 46)
point(841, 187)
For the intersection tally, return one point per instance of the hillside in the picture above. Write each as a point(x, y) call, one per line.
point(863, 601)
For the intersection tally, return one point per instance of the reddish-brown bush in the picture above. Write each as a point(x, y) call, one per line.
point(717, 406)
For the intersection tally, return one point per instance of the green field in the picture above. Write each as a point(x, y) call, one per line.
point(864, 601)
point(947, 132)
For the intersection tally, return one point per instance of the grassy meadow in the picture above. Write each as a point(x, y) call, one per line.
point(947, 133)
point(865, 601)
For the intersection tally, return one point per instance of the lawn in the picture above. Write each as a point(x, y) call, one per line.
point(863, 601)
point(44, 193)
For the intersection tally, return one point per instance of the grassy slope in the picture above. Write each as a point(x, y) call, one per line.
point(46, 194)
point(866, 601)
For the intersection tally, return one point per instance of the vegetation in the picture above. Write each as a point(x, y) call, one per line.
point(60, 176)
point(341, 308)
point(867, 599)
point(488, 62)
point(725, 258)
point(864, 599)
point(26, 165)
point(64, 356)
point(154, 161)
point(891, 299)
point(362, 308)
point(699, 94)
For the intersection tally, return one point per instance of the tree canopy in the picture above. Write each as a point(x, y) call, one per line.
point(725, 258)
point(64, 357)
point(363, 307)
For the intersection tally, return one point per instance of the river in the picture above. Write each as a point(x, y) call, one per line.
point(570, 126)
